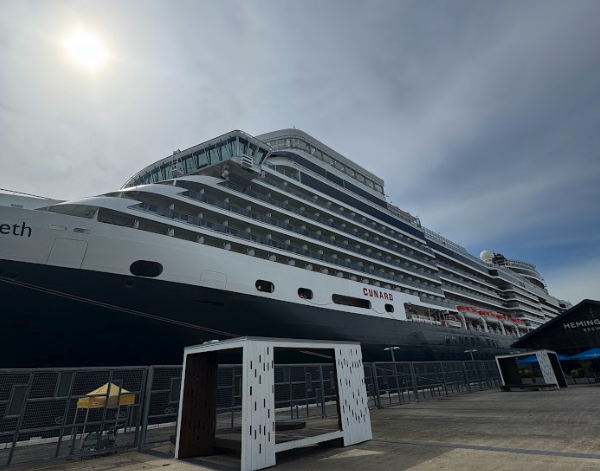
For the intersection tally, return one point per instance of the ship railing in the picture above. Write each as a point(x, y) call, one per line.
point(521, 281)
point(391, 209)
point(444, 304)
point(454, 246)
point(271, 181)
point(306, 214)
point(480, 297)
point(199, 222)
point(468, 284)
point(293, 228)
point(297, 142)
point(444, 241)
point(519, 264)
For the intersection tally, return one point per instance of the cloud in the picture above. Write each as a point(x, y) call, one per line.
point(481, 116)
point(577, 281)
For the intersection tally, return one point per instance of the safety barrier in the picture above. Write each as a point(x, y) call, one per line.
point(73, 413)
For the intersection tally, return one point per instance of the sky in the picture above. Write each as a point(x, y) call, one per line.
point(483, 117)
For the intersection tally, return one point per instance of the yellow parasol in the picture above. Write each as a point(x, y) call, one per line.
point(98, 397)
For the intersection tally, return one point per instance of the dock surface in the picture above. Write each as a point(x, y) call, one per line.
point(488, 430)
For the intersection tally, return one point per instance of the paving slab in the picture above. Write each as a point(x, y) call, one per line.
point(489, 430)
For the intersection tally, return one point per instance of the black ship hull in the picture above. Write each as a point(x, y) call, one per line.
point(57, 317)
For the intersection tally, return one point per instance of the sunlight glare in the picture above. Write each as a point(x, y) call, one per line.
point(86, 49)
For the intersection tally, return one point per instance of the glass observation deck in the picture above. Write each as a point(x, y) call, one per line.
point(186, 162)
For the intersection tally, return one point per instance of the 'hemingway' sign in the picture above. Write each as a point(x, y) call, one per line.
point(581, 324)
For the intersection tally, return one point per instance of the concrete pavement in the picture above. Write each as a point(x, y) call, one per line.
point(489, 430)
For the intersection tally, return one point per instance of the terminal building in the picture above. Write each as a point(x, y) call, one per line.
point(569, 333)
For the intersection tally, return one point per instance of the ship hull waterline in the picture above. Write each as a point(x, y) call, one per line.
point(63, 317)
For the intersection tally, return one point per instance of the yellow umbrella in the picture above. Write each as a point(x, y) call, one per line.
point(97, 398)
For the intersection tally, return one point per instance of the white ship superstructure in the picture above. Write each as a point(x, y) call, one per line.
point(280, 226)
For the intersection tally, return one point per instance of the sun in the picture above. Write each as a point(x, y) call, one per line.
point(86, 49)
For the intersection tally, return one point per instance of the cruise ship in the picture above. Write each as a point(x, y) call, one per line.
point(276, 235)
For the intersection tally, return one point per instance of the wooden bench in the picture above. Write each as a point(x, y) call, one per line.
point(528, 387)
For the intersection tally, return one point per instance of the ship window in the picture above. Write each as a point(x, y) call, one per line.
point(350, 301)
point(305, 293)
point(389, 308)
point(265, 286)
point(146, 268)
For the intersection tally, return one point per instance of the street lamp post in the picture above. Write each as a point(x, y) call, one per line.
point(391, 350)
point(471, 352)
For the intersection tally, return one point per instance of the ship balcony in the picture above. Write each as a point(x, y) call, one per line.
point(329, 224)
point(445, 303)
point(350, 215)
point(472, 295)
point(510, 292)
point(479, 280)
point(511, 300)
point(479, 271)
point(224, 229)
point(523, 308)
point(513, 278)
point(426, 274)
point(467, 284)
point(340, 211)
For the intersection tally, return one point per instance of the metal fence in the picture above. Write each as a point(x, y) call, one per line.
point(57, 414)
point(52, 414)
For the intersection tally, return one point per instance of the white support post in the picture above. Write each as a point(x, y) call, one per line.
point(546, 367)
point(354, 407)
point(258, 408)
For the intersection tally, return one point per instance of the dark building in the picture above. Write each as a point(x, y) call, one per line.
point(571, 332)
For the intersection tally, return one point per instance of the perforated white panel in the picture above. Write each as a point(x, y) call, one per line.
point(258, 410)
point(546, 367)
point(258, 396)
point(354, 408)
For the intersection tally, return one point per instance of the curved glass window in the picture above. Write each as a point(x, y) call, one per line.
point(235, 145)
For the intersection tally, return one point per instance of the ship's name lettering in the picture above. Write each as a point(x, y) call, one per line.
point(584, 323)
point(20, 230)
point(374, 293)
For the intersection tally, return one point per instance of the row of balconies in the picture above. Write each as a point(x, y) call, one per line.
point(479, 282)
point(472, 294)
point(405, 265)
point(466, 283)
point(348, 214)
point(287, 247)
point(407, 252)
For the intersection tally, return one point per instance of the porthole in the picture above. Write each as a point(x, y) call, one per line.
point(305, 293)
point(146, 268)
point(389, 308)
point(129, 283)
point(265, 286)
